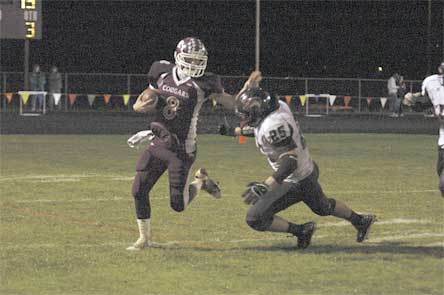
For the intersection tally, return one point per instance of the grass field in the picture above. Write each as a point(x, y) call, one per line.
point(67, 216)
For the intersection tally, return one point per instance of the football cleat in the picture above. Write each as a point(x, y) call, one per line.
point(140, 244)
point(304, 239)
point(364, 227)
point(208, 185)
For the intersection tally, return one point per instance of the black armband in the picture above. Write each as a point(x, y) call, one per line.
point(288, 164)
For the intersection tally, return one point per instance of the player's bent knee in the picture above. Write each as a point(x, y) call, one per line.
point(259, 224)
point(325, 208)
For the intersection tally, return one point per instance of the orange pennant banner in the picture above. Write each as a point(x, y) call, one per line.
point(242, 139)
point(347, 100)
point(288, 99)
point(72, 98)
point(369, 100)
point(9, 96)
point(106, 98)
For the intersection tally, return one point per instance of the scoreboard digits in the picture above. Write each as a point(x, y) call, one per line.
point(20, 19)
point(28, 4)
point(30, 30)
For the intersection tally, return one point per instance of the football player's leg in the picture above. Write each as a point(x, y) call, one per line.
point(440, 168)
point(149, 169)
point(262, 215)
point(180, 175)
point(318, 202)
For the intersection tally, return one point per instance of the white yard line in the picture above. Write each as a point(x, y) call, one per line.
point(382, 222)
point(406, 237)
point(438, 244)
point(357, 192)
point(371, 242)
point(77, 177)
point(43, 176)
point(82, 200)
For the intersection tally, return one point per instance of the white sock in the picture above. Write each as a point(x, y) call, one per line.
point(144, 228)
point(197, 183)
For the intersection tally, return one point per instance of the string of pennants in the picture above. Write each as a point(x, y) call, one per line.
point(72, 97)
point(331, 99)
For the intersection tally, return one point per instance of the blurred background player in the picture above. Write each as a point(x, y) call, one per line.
point(433, 88)
point(175, 96)
point(295, 176)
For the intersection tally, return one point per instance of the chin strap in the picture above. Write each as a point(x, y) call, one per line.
point(180, 74)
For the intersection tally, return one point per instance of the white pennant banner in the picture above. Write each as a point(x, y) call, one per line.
point(383, 101)
point(56, 98)
point(91, 98)
point(332, 99)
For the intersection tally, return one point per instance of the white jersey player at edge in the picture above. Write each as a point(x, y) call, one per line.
point(433, 87)
point(295, 176)
point(432, 91)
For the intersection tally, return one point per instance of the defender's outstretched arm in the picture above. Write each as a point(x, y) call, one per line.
point(228, 100)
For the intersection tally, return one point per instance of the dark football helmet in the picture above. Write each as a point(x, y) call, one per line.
point(191, 57)
point(254, 104)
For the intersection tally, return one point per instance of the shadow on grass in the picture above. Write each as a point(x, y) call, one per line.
point(385, 248)
point(380, 248)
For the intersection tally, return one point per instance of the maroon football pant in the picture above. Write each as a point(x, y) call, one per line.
point(153, 162)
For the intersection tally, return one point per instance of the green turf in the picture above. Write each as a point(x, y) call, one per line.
point(67, 216)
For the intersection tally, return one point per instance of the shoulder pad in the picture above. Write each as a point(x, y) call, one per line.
point(157, 69)
point(210, 83)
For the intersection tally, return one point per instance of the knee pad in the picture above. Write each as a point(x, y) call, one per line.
point(325, 208)
point(259, 224)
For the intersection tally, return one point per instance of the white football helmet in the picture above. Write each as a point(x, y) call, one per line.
point(191, 57)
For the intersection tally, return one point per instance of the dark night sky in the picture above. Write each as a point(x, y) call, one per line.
point(298, 38)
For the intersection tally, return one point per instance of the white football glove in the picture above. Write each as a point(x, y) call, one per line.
point(140, 137)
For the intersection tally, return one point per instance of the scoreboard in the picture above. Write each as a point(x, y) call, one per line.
point(21, 19)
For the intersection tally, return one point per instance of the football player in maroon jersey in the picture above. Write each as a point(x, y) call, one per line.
point(175, 96)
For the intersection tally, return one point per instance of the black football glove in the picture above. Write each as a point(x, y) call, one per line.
point(254, 191)
point(226, 130)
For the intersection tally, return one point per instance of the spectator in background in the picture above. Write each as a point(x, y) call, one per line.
point(38, 82)
point(392, 89)
point(402, 90)
point(54, 86)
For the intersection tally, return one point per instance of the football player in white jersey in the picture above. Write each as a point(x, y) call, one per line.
point(295, 176)
point(433, 88)
point(432, 91)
